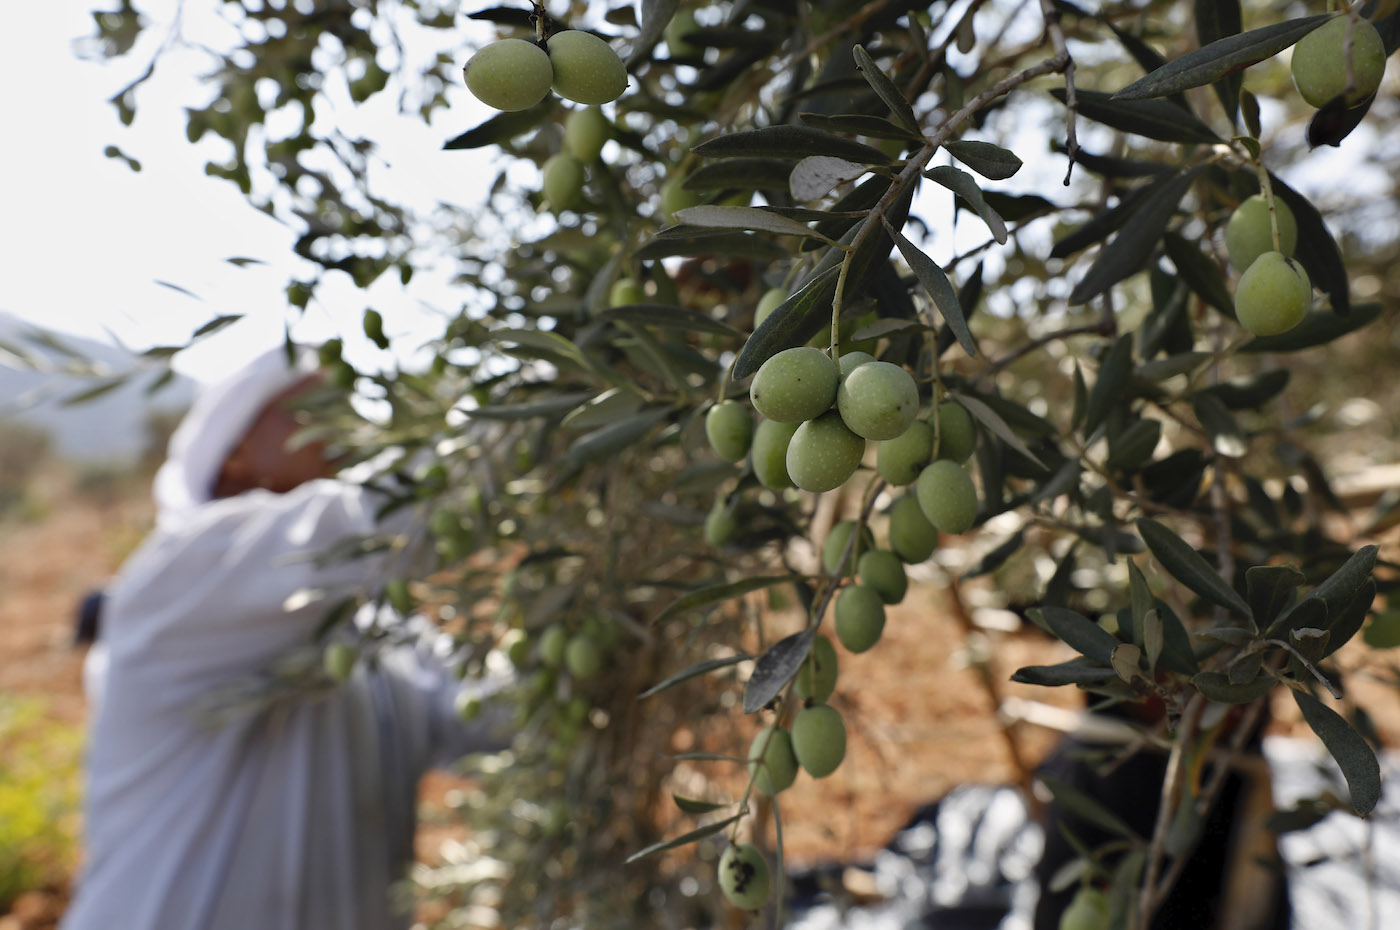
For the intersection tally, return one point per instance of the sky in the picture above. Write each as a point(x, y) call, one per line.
point(84, 240)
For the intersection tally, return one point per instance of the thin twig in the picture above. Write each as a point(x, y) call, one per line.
point(1057, 41)
point(1205, 802)
point(925, 155)
point(1170, 782)
point(1307, 665)
point(1042, 341)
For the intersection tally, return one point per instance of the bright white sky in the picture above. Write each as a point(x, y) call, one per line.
point(84, 239)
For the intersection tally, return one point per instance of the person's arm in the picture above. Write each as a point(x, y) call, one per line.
point(244, 583)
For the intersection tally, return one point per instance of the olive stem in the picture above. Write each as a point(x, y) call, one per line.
point(1307, 665)
point(1267, 187)
point(1171, 779)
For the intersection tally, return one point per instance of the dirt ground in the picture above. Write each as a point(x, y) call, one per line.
point(919, 712)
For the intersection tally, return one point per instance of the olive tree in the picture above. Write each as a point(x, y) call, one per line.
point(954, 262)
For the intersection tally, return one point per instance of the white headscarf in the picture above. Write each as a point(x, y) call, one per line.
point(217, 421)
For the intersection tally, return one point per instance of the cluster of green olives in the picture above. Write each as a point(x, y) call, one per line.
point(1341, 60)
point(516, 74)
point(586, 131)
point(557, 666)
point(1273, 293)
point(816, 416)
point(816, 742)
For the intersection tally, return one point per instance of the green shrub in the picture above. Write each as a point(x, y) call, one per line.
point(40, 760)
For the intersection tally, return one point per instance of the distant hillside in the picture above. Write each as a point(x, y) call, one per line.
point(108, 428)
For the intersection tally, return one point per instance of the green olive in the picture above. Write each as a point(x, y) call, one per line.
point(743, 876)
point(1320, 66)
point(721, 526)
point(626, 291)
point(1273, 295)
point(772, 765)
point(585, 132)
point(860, 617)
point(583, 656)
point(835, 544)
point(771, 300)
point(912, 537)
point(510, 74)
point(795, 385)
point(881, 570)
point(819, 739)
point(586, 69)
point(899, 460)
point(563, 181)
point(823, 453)
point(816, 679)
point(1249, 234)
point(675, 197)
point(768, 453)
point(947, 496)
point(729, 429)
point(957, 436)
point(338, 660)
point(878, 400)
point(681, 25)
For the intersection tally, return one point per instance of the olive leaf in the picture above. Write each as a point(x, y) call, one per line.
point(655, 15)
point(787, 325)
point(993, 421)
point(1130, 249)
point(1187, 566)
point(501, 128)
point(748, 218)
point(714, 594)
point(1220, 58)
point(1084, 806)
point(694, 671)
point(1217, 686)
point(991, 161)
point(859, 124)
point(939, 288)
point(665, 316)
point(613, 438)
point(1317, 328)
point(695, 805)
point(884, 88)
point(1080, 633)
point(962, 184)
point(789, 142)
point(775, 669)
point(744, 173)
point(1200, 273)
point(1077, 671)
point(1353, 754)
point(682, 840)
point(815, 176)
point(698, 240)
point(1215, 20)
point(1270, 588)
point(1114, 371)
point(1154, 119)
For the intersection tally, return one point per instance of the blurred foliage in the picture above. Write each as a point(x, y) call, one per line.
point(40, 761)
point(23, 450)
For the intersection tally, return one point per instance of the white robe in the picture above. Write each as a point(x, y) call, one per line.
point(293, 810)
